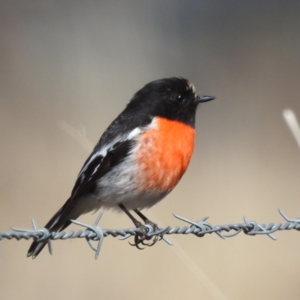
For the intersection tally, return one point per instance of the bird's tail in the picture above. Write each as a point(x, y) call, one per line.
point(58, 222)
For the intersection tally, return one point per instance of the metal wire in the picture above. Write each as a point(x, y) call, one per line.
point(199, 228)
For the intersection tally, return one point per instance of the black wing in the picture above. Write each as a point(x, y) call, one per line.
point(98, 165)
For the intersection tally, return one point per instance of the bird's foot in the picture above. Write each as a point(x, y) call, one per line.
point(142, 236)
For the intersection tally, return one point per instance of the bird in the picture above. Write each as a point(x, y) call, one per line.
point(138, 160)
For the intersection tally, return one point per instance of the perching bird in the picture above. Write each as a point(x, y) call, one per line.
point(139, 159)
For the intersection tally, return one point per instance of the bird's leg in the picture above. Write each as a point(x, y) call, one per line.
point(139, 237)
point(132, 218)
point(154, 226)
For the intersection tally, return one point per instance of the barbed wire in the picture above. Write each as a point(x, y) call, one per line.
point(199, 229)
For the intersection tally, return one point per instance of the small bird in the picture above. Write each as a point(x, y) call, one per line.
point(138, 160)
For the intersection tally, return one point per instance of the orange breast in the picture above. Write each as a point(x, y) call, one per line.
point(164, 154)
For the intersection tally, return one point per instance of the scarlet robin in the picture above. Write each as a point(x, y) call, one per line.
point(139, 159)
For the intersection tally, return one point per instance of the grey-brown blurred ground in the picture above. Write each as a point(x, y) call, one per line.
point(80, 62)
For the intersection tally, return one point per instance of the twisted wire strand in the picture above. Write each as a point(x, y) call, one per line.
point(199, 228)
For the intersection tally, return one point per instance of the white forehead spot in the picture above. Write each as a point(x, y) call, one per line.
point(191, 87)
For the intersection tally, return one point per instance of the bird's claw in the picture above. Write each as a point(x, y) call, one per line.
point(141, 237)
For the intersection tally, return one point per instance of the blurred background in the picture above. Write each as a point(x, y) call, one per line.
point(72, 66)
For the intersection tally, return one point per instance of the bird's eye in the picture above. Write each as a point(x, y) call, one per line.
point(180, 98)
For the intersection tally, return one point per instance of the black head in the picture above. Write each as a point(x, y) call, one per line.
point(173, 98)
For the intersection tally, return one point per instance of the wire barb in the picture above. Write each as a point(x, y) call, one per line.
point(99, 235)
point(199, 229)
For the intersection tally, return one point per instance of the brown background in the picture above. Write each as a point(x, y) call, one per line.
point(78, 63)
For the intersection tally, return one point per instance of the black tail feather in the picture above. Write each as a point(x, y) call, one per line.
point(58, 222)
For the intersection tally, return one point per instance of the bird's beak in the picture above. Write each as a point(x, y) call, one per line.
point(201, 99)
